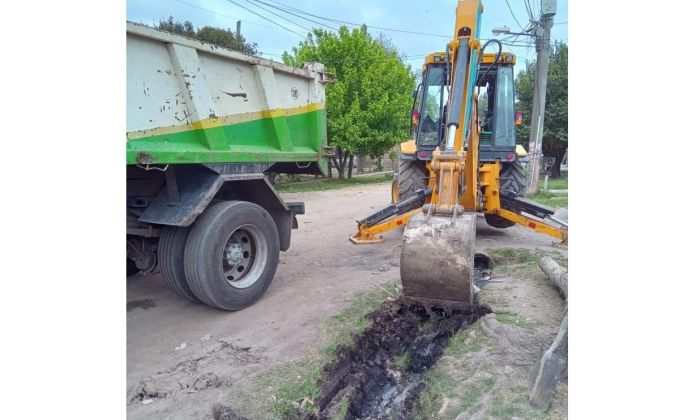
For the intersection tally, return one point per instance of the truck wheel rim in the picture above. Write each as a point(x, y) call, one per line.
point(244, 256)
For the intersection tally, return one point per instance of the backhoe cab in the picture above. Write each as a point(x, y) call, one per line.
point(496, 109)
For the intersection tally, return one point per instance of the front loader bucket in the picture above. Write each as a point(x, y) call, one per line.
point(437, 258)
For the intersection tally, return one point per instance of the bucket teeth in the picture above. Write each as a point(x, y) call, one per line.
point(437, 258)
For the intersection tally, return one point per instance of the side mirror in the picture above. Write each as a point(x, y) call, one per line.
point(518, 117)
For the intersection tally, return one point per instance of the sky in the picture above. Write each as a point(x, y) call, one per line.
point(433, 18)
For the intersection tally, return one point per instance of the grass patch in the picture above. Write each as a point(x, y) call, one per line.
point(508, 318)
point(439, 384)
point(518, 256)
point(461, 343)
point(555, 184)
point(474, 393)
point(402, 361)
point(550, 199)
point(512, 403)
point(448, 382)
point(430, 324)
point(293, 387)
point(324, 184)
point(342, 409)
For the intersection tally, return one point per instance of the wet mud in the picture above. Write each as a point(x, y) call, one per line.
point(381, 376)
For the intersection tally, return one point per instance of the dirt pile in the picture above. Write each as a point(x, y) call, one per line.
point(381, 377)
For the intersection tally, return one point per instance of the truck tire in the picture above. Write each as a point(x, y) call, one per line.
point(171, 251)
point(131, 268)
point(413, 175)
point(231, 254)
point(512, 179)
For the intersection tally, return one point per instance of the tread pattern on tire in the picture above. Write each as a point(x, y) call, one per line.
point(171, 253)
point(512, 178)
point(413, 176)
point(203, 230)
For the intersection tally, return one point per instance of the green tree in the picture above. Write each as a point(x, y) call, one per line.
point(368, 106)
point(555, 138)
point(217, 36)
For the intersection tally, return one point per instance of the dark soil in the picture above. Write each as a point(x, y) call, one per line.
point(381, 377)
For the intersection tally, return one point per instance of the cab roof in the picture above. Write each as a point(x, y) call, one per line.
point(488, 58)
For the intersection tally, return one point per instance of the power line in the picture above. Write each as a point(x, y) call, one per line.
point(279, 16)
point(294, 14)
point(513, 14)
point(529, 10)
point(226, 16)
point(269, 20)
point(357, 24)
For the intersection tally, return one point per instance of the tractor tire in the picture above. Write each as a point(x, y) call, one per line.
point(231, 254)
point(512, 179)
point(171, 251)
point(413, 176)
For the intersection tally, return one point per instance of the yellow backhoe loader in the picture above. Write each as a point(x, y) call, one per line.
point(460, 162)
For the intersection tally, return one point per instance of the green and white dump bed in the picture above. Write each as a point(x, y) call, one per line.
point(193, 102)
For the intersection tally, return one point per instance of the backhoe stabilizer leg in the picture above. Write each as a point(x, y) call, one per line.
point(559, 232)
point(437, 258)
point(371, 234)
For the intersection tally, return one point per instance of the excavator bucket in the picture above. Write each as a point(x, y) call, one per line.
point(437, 259)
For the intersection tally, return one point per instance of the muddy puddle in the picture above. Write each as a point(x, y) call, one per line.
point(382, 376)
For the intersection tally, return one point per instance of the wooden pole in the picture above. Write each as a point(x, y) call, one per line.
point(555, 360)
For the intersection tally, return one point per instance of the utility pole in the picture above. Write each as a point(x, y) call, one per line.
point(238, 29)
point(548, 8)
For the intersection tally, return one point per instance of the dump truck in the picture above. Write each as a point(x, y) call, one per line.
point(206, 126)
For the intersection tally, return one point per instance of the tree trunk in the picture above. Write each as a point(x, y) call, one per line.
point(352, 158)
point(339, 161)
point(557, 275)
point(556, 169)
point(330, 168)
point(556, 148)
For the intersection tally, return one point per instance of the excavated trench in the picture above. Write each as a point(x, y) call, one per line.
point(382, 376)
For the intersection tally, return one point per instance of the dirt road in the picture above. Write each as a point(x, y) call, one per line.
point(170, 340)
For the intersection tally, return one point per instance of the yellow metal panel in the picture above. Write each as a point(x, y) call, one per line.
point(408, 147)
point(466, 15)
point(490, 184)
point(436, 57)
point(506, 58)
